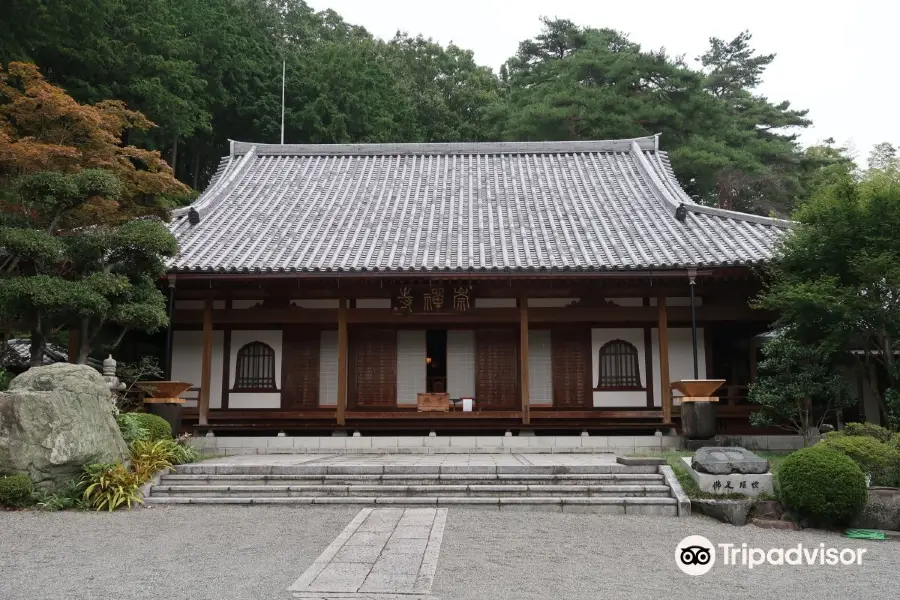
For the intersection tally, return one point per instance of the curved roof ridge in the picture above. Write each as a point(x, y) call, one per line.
point(205, 200)
point(447, 148)
point(675, 196)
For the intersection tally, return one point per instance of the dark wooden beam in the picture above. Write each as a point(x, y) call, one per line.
point(523, 359)
point(342, 362)
point(226, 368)
point(619, 315)
point(206, 368)
point(665, 384)
point(648, 360)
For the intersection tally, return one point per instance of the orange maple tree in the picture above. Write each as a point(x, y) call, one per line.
point(42, 128)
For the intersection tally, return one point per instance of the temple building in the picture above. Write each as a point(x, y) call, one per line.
point(462, 287)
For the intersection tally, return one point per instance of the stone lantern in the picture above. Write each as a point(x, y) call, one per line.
point(109, 374)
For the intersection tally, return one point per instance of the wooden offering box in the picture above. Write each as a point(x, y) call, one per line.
point(433, 402)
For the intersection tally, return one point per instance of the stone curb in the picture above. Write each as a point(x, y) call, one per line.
point(148, 485)
point(213, 469)
point(684, 503)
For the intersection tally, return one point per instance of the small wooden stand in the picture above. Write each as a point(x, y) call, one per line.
point(433, 402)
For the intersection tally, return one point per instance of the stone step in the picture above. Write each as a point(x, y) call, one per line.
point(457, 479)
point(618, 505)
point(446, 490)
point(286, 469)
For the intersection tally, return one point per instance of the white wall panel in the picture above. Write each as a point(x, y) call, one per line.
point(460, 363)
point(411, 366)
point(328, 375)
point(187, 363)
point(540, 367)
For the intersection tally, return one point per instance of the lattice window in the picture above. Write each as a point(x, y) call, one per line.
point(619, 367)
point(255, 368)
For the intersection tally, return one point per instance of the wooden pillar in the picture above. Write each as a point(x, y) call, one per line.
point(753, 365)
point(206, 368)
point(342, 361)
point(523, 360)
point(665, 385)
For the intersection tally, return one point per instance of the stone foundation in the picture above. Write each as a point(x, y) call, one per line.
point(736, 483)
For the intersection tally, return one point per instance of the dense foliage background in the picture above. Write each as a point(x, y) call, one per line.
point(206, 71)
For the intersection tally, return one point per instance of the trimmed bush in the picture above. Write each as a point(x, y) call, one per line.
point(822, 484)
point(131, 428)
point(868, 430)
point(157, 427)
point(16, 491)
point(879, 460)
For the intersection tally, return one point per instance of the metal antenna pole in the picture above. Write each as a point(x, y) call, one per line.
point(692, 276)
point(283, 74)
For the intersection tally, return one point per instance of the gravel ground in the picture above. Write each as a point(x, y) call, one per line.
point(177, 553)
point(523, 556)
point(248, 553)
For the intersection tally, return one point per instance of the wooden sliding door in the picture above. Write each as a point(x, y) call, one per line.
point(300, 368)
point(497, 368)
point(373, 368)
point(571, 362)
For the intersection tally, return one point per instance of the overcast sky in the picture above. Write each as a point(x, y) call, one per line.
point(838, 59)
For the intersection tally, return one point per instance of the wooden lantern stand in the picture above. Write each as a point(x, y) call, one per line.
point(164, 400)
point(698, 407)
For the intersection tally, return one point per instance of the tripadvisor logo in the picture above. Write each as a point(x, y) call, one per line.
point(696, 555)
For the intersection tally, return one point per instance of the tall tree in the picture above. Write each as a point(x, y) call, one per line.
point(836, 282)
point(73, 249)
point(727, 144)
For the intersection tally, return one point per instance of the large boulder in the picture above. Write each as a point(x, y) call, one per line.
point(724, 461)
point(56, 419)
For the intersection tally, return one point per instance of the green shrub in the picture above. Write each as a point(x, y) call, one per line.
point(158, 428)
point(822, 484)
point(111, 486)
point(130, 424)
point(70, 496)
point(183, 453)
point(868, 430)
point(16, 491)
point(5, 379)
point(879, 460)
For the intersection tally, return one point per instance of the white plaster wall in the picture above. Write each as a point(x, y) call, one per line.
point(540, 367)
point(245, 400)
point(460, 363)
point(627, 302)
point(328, 367)
point(373, 303)
point(681, 359)
point(316, 303)
point(411, 366)
point(244, 304)
point(495, 302)
point(633, 336)
point(550, 302)
point(187, 362)
point(239, 338)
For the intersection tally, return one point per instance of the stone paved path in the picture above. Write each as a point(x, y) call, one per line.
point(383, 554)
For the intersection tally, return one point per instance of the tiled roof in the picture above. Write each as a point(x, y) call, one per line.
point(19, 354)
point(515, 207)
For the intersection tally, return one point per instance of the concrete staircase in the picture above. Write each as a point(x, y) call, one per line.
point(608, 489)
